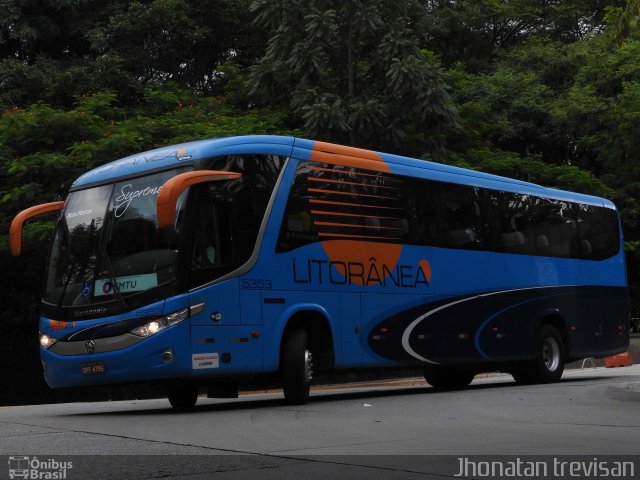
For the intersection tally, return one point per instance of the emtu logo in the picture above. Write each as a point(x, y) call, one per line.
point(107, 287)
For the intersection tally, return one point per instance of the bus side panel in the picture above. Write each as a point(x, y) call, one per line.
point(376, 309)
point(250, 306)
point(140, 362)
point(351, 335)
point(222, 350)
point(502, 325)
point(221, 304)
point(599, 325)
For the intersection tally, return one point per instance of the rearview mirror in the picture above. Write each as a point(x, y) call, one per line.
point(171, 190)
point(15, 231)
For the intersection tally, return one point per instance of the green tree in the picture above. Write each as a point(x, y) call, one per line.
point(624, 21)
point(476, 33)
point(57, 50)
point(351, 71)
point(599, 115)
point(179, 40)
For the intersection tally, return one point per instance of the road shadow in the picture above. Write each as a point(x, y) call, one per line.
point(248, 402)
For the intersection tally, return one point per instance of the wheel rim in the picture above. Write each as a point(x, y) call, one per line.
point(308, 365)
point(551, 354)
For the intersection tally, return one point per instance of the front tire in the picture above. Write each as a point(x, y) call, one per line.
point(549, 362)
point(448, 378)
point(183, 397)
point(297, 367)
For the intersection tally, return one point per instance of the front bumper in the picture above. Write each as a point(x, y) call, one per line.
point(140, 362)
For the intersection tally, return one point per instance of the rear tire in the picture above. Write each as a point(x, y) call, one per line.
point(448, 378)
point(549, 362)
point(296, 367)
point(183, 397)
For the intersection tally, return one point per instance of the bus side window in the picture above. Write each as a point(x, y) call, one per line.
point(225, 217)
point(297, 227)
point(461, 219)
point(421, 210)
point(598, 232)
point(556, 229)
point(335, 202)
point(213, 244)
point(513, 226)
point(215, 227)
point(206, 241)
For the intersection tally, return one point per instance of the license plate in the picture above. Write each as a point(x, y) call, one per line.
point(93, 368)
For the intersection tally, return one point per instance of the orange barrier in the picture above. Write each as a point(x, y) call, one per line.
point(620, 360)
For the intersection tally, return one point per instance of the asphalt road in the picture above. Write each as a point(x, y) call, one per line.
point(397, 431)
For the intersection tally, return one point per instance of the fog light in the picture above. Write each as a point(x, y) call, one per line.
point(167, 355)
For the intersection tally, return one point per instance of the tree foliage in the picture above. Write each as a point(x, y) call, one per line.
point(55, 50)
point(478, 33)
point(351, 71)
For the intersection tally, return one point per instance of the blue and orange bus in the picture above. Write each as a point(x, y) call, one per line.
point(205, 264)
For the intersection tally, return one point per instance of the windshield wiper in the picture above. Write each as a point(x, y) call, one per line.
point(73, 259)
point(112, 276)
point(67, 281)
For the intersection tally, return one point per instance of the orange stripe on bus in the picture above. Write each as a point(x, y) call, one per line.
point(320, 190)
point(347, 172)
point(348, 156)
point(342, 214)
point(342, 182)
point(355, 236)
point(334, 224)
point(329, 202)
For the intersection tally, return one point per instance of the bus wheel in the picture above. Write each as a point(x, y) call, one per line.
point(448, 378)
point(296, 367)
point(183, 397)
point(549, 363)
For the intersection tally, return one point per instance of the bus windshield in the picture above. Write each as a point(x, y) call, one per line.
point(107, 245)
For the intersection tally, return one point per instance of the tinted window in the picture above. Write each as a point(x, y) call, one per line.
point(225, 217)
point(461, 221)
point(334, 202)
point(510, 221)
point(598, 232)
point(423, 212)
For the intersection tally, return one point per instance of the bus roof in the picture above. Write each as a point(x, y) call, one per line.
point(189, 153)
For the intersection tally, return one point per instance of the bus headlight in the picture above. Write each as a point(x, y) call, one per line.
point(159, 324)
point(46, 341)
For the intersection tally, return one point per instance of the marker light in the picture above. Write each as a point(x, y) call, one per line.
point(160, 324)
point(46, 341)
